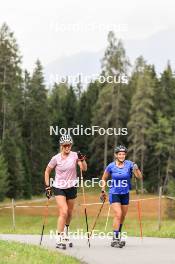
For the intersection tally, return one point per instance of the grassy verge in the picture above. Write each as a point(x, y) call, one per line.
point(34, 225)
point(32, 217)
point(14, 253)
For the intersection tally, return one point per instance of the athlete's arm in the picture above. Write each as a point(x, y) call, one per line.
point(137, 172)
point(82, 165)
point(47, 175)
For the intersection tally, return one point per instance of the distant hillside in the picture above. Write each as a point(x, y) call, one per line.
point(157, 49)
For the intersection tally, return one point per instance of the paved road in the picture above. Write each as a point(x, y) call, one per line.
point(148, 251)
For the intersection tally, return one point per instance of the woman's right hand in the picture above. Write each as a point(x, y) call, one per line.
point(48, 191)
point(103, 196)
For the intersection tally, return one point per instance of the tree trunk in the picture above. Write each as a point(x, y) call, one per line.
point(4, 107)
point(142, 162)
point(105, 150)
point(167, 173)
point(106, 144)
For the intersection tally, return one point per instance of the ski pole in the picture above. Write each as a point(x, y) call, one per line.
point(136, 186)
point(45, 219)
point(107, 217)
point(101, 207)
point(139, 217)
point(139, 209)
point(85, 209)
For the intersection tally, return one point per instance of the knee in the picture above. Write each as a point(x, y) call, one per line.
point(63, 213)
point(118, 216)
point(123, 215)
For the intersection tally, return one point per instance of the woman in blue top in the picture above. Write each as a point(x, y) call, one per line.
point(121, 173)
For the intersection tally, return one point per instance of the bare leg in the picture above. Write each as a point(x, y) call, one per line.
point(124, 212)
point(70, 204)
point(63, 212)
point(117, 215)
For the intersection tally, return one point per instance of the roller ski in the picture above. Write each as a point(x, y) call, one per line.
point(123, 243)
point(66, 237)
point(61, 244)
point(117, 243)
point(67, 241)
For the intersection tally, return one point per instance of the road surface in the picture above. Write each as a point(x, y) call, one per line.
point(137, 251)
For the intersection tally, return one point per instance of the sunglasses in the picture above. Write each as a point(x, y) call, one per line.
point(66, 145)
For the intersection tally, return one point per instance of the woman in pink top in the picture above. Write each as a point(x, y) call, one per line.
point(65, 191)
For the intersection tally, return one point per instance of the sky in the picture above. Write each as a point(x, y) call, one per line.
point(54, 29)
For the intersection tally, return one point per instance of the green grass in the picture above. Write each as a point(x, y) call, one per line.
point(34, 225)
point(93, 190)
point(149, 228)
point(15, 253)
point(8, 201)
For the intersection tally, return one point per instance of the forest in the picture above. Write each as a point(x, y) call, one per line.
point(144, 106)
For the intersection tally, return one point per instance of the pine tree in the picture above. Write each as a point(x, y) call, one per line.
point(162, 132)
point(12, 153)
point(10, 79)
point(3, 176)
point(38, 139)
point(70, 108)
point(11, 110)
point(141, 113)
point(112, 105)
point(85, 112)
point(26, 135)
point(57, 99)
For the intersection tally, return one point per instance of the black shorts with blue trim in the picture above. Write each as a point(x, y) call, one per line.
point(123, 199)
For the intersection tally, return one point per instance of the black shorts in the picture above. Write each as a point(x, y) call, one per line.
point(69, 193)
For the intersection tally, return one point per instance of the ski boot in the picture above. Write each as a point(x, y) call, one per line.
point(116, 243)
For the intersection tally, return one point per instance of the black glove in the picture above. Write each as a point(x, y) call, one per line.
point(103, 196)
point(48, 191)
point(81, 157)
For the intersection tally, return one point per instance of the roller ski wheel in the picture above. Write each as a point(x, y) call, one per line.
point(70, 244)
point(61, 246)
point(116, 243)
point(67, 241)
point(123, 243)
